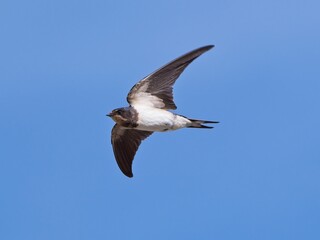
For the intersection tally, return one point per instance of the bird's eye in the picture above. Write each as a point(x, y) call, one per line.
point(119, 111)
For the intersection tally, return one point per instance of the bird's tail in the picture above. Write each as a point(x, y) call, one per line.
point(196, 123)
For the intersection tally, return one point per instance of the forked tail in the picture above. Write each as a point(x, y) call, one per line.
point(196, 123)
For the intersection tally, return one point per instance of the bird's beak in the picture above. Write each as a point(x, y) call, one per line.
point(109, 115)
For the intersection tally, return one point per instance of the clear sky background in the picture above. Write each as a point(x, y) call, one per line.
point(65, 64)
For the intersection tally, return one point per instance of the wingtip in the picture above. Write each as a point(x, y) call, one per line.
point(204, 48)
point(209, 46)
point(129, 175)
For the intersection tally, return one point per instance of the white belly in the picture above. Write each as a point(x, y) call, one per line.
point(158, 120)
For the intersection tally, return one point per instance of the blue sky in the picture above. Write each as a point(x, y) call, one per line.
point(65, 64)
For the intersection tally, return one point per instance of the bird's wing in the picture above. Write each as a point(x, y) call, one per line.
point(125, 143)
point(155, 90)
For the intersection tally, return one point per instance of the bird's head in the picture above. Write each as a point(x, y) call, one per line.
point(119, 115)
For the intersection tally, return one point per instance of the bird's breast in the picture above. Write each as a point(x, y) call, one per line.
point(125, 122)
point(157, 120)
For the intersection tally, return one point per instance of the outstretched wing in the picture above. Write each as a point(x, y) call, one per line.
point(125, 143)
point(155, 90)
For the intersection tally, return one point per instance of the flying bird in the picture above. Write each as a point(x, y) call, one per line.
point(149, 101)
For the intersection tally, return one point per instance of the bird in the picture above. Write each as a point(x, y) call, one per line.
point(149, 103)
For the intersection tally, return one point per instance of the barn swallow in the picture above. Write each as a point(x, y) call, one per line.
point(149, 101)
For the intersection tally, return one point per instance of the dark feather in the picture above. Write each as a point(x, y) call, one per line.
point(125, 143)
point(160, 83)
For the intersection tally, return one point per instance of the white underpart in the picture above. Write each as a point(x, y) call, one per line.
point(146, 99)
point(159, 120)
point(142, 97)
